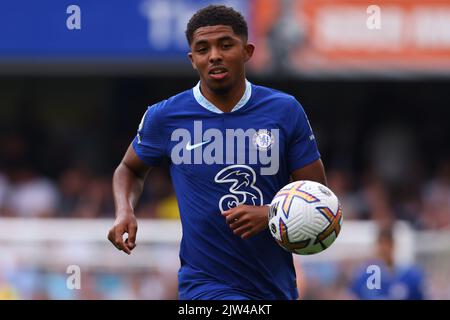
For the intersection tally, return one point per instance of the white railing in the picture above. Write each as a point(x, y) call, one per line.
point(57, 243)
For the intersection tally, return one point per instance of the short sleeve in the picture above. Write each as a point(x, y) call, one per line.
point(150, 143)
point(302, 148)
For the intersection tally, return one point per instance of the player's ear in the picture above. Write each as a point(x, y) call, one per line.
point(249, 49)
point(192, 60)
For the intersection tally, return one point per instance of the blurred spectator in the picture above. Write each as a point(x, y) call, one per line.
point(378, 201)
point(287, 33)
point(157, 200)
point(407, 204)
point(168, 208)
point(29, 194)
point(436, 199)
point(96, 199)
point(371, 201)
point(341, 182)
point(23, 191)
point(84, 195)
point(394, 282)
point(72, 183)
point(392, 153)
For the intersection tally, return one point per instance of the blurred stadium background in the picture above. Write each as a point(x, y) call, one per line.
point(71, 101)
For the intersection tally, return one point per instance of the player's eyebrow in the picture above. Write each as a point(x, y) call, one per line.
point(204, 41)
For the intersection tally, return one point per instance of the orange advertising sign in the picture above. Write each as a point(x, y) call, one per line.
point(346, 35)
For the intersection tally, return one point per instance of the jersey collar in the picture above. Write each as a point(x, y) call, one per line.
point(209, 106)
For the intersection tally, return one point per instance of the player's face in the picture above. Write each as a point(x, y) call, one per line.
point(219, 56)
point(385, 249)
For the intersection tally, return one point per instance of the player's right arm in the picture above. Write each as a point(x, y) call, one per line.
point(128, 183)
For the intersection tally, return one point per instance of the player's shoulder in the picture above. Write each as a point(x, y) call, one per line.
point(276, 97)
point(263, 92)
point(172, 104)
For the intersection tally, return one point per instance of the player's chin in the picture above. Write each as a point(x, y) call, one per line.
point(219, 86)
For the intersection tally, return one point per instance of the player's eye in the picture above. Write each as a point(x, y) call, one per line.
point(202, 50)
point(227, 45)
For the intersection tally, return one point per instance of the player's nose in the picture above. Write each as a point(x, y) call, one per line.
point(215, 55)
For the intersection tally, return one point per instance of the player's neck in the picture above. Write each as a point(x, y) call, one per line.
point(388, 262)
point(225, 101)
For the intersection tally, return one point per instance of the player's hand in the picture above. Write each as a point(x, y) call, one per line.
point(125, 223)
point(246, 221)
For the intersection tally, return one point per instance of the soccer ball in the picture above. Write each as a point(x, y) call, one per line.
point(305, 217)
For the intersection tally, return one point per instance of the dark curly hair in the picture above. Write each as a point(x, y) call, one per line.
point(214, 15)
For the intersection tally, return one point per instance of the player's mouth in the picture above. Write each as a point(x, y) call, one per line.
point(218, 73)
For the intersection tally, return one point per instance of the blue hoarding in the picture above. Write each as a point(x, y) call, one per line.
point(84, 29)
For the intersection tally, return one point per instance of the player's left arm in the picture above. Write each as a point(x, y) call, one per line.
point(314, 171)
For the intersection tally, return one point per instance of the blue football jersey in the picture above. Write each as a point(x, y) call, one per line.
point(398, 283)
point(220, 160)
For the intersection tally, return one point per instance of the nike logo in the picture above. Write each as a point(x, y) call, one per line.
point(190, 146)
